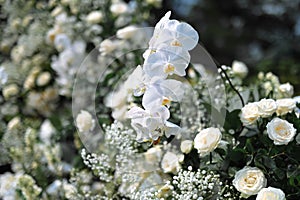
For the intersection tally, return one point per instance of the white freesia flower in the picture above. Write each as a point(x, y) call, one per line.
point(170, 163)
point(85, 121)
point(166, 61)
point(207, 140)
point(270, 193)
point(267, 107)
point(287, 90)
point(249, 181)
point(285, 106)
point(250, 114)
point(281, 131)
point(119, 8)
point(186, 146)
point(239, 68)
point(128, 32)
point(151, 124)
point(94, 17)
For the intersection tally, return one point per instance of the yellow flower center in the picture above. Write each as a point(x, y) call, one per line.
point(169, 69)
point(166, 101)
point(176, 43)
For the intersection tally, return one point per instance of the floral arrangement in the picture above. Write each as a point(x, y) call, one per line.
point(156, 116)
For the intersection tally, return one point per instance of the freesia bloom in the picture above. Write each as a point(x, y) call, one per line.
point(267, 107)
point(250, 114)
point(207, 140)
point(85, 121)
point(285, 106)
point(249, 181)
point(280, 131)
point(170, 163)
point(270, 193)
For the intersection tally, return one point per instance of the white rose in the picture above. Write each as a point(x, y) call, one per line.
point(10, 91)
point(84, 121)
point(186, 146)
point(43, 79)
point(127, 32)
point(94, 17)
point(285, 106)
point(170, 163)
point(239, 68)
point(287, 90)
point(207, 140)
point(270, 193)
point(154, 154)
point(250, 113)
point(119, 8)
point(267, 107)
point(281, 131)
point(249, 181)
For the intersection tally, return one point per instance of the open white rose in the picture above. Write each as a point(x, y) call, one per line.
point(285, 106)
point(267, 107)
point(170, 163)
point(249, 181)
point(280, 131)
point(207, 140)
point(186, 146)
point(84, 121)
point(239, 68)
point(250, 113)
point(270, 193)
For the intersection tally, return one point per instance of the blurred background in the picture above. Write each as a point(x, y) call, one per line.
point(265, 34)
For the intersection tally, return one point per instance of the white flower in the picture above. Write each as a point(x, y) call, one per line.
point(239, 68)
point(14, 123)
point(173, 33)
point(267, 107)
point(154, 154)
point(250, 113)
point(170, 163)
point(43, 79)
point(249, 181)
point(270, 193)
point(207, 140)
point(285, 106)
point(94, 17)
point(287, 90)
point(10, 91)
point(186, 146)
point(46, 131)
point(166, 61)
point(128, 32)
point(85, 121)
point(61, 42)
point(162, 92)
point(119, 8)
point(107, 46)
point(3, 76)
point(281, 131)
point(151, 124)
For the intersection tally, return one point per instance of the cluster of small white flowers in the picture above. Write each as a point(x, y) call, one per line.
point(99, 164)
point(271, 84)
point(200, 184)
